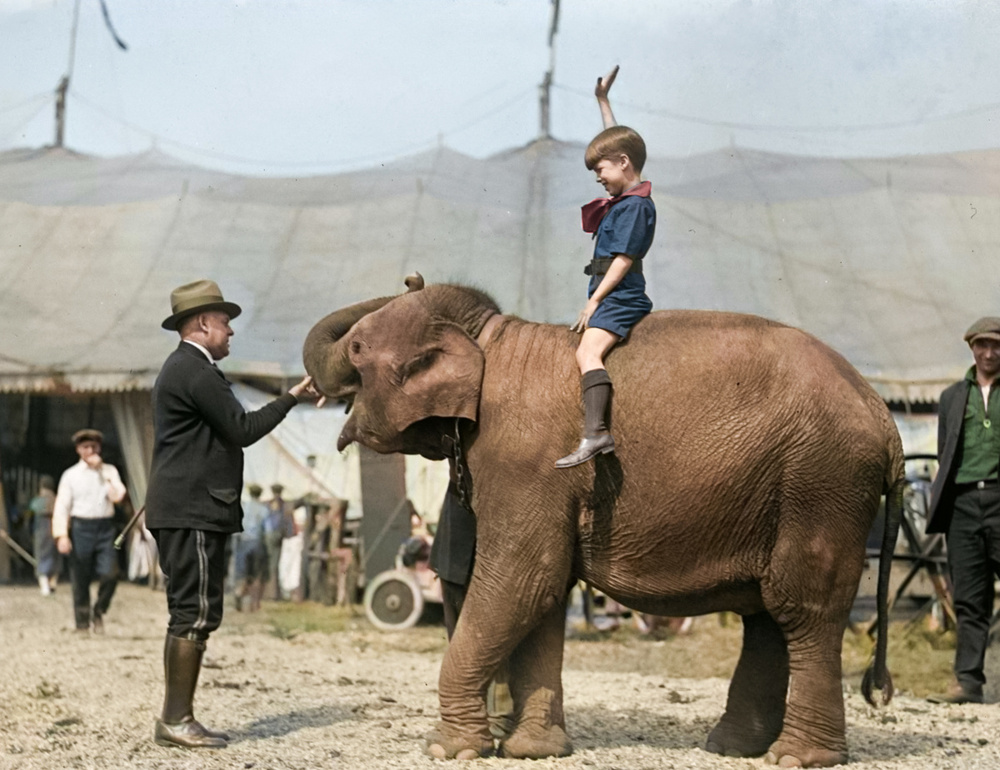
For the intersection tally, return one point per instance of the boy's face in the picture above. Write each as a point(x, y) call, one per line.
point(611, 173)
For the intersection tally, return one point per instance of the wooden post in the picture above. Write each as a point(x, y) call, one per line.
point(5, 554)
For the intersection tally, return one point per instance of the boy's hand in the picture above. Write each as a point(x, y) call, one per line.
point(583, 320)
point(604, 84)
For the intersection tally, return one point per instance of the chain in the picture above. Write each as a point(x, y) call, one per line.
point(463, 479)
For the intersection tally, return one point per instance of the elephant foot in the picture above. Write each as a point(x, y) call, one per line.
point(536, 742)
point(784, 753)
point(445, 742)
point(734, 740)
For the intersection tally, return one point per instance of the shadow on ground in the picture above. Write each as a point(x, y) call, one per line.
point(282, 724)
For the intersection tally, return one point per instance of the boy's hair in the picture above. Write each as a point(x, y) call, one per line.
point(615, 141)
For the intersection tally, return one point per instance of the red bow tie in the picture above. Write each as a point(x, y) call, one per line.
point(594, 211)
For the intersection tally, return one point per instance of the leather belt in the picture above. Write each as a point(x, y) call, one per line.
point(984, 484)
point(600, 265)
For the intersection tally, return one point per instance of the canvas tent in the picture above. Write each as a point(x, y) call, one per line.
point(887, 260)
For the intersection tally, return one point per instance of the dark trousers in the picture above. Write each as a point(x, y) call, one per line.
point(93, 557)
point(194, 562)
point(974, 561)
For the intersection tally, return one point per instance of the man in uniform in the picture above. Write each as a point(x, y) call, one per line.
point(193, 502)
point(83, 526)
point(965, 504)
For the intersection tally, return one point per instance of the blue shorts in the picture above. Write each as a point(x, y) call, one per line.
point(624, 307)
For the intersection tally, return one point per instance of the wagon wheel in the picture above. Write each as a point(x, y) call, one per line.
point(393, 601)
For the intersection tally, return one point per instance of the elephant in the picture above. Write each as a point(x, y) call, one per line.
point(749, 466)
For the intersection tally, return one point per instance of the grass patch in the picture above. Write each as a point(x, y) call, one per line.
point(919, 660)
point(289, 619)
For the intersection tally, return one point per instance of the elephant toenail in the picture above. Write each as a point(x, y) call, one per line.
point(437, 751)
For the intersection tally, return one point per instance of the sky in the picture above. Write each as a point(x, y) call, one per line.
point(302, 87)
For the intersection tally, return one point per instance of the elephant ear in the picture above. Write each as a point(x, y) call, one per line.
point(434, 370)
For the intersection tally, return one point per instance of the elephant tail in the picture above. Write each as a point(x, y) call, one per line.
point(877, 675)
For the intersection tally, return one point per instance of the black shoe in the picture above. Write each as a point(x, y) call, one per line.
point(589, 447)
point(189, 734)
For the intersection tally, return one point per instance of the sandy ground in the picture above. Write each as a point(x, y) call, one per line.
point(359, 698)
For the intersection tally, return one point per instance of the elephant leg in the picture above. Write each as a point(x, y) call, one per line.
point(535, 681)
point(506, 606)
point(813, 734)
point(755, 708)
point(812, 608)
point(464, 731)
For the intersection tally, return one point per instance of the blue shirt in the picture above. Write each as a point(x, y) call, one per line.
point(254, 515)
point(627, 228)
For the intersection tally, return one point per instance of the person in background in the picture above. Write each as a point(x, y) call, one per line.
point(83, 526)
point(965, 504)
point(49, 559)
point(273, 535)
point(292, 545)
point(251, 553)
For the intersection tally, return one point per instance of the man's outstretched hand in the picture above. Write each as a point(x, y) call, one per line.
point(307, 390)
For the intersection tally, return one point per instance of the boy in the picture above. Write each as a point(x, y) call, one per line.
point(623, 227)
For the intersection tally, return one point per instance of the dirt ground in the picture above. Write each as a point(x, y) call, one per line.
point(305, 686)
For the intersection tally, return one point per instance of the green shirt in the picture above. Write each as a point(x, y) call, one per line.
point(979, 456)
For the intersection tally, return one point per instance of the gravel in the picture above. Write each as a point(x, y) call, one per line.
point(364, 699)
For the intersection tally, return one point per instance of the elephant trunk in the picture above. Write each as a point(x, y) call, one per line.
point(324, 352)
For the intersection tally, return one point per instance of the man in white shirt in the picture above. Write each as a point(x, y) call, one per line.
point(83, 527)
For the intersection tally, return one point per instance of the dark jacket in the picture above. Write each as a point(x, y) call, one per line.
point(200, 429)
point(454, 549)
point(951, 418)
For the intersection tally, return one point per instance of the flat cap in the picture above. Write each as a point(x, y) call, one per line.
point(987, 327)
point(88, 434)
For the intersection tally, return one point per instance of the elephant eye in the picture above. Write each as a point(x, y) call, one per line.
point(416, 365)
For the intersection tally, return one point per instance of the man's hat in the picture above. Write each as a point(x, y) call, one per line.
point(985, 328)
point(197, 297)
point(88, 434)
point(254, 489)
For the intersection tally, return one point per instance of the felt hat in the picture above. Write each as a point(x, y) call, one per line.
point(197, 297)
point(88, 434)
point(254, 489)
point(985, 328)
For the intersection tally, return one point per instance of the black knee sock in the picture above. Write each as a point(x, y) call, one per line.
point(596, 386)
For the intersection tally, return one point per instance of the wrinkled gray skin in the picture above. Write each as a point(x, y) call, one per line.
point(749, 466)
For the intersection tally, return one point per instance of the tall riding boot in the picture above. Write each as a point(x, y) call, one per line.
point(177, 725)
point(596, 386)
